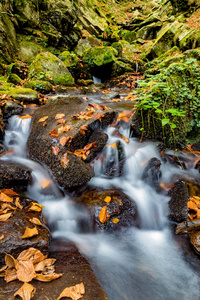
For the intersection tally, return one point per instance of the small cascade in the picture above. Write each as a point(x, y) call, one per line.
point(96, 80)
point(136, 67)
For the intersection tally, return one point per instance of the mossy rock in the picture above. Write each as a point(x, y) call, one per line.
point(22, 94)
point(70, 59)
point(13, 78)
point(48, 67)
point(149, 32)
point(118, 47)
point(18, 68)
point(2, 69)
point(83, 45)
point(129, 36)
point(28, 51)
point(39, 85)
point(119, 68)
point(3, 79)
point(99, 56)
point(83, 82)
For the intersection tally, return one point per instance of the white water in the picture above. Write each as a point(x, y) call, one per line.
point(135, 264)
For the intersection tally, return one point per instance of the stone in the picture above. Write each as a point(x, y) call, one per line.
point(195, 240)
point(15, 79)
point(152, 173)
point(28, 51)
point(12, 108)
point(99, 56)
point(22, 94)
point(41, 86)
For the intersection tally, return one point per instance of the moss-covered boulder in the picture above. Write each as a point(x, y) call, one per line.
point(99, 56)
point(15, 79)
point(27, 12)
point(70, 59)
point(149, 31)
point(22, 94)
point(48, 67)
point(28, 51)
point(128, 36)
point(41, 86)
point(120, 67)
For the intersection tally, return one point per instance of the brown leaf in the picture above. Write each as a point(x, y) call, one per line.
point(26, 292)
point(192, 205)
point(55, 150)
point(10, 261)
point(126, 116)
point(43, 119)
point(44, 183)
point(9, 192)
point(36, 221)
point(29, 232)
point(83, 129)
point(47, 277)
point(104, 215)
point(107, 199)
point(64, 140)
point(43, 264)
point(53, 133)
point(5, 198)
point(5, 217)
point(10, 275)
point(25, 117)
point(73, 292)
point(7, 206)
point(89, 146)
point(64, 128)
point(2, 237)
point(59, 116)
point(2, 271)
point(112, 145)
point(61, 121)
point(32, 254)
point(36, 207)
point(64, 160)
point(25, 270)
point(17, 203)
point(98, 116)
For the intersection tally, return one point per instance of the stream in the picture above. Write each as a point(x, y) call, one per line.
point(142, 263)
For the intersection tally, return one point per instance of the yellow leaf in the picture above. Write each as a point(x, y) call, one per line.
point(26, 292)
point(73, 292)
point(64, 160)
point(5, 217)
point(25, 117)
point(104, 215)
point(43, 264)
point(5, 198)
point(9, 192)
point(36, 207)
point(59, 116)
point(2, 271)
point(10, 261)
point(125, 139)
point(10, 275)
point(2, 237)
point(112, 145)
point(25, 270)
point(115, 220)
point(6, 206)
point(107, 199)
point(47, 277)
point(17, 203)
point(36, 221)
point(32, 254)
point(43, 119)
point(29, 232)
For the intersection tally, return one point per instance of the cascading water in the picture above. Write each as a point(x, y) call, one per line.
point(135, 264)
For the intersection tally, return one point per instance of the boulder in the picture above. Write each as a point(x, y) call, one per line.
point(50, 68)
point(76, 172)
point(41, 86)
point(18, 68)
point(11, 108)
point(28, 51)
point(15, 79)
point(22, 94)
point(28, 13)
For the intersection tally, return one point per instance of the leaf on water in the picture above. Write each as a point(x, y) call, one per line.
point(53, 133)
point(10, 275)
point(25, 271)
point(102, 107)
point(64, 161)
point(44, 183)
point(61, 121)
point(5, 217)
point(5, 198)
point(83, 129)
point(55, 150)
point(36, 221)
point(32, 254)
point(115, 220)
point(104, 215)
point(125, 116)
point(43, 119)
point(2, 237)
point(26, 292)
point(48, 277)
point(35, 206)
point(25, 117)
point(73, 292)
point(17, 203)
point(125, 139)
point(59, 116)
point(107, 199)
point(64, 140)
point(112, 145)
point(40, 267)
point(9, 192)
point(29, 232)
point(166, 187)
point(10, 261)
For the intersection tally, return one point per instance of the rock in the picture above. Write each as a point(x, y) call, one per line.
point(70, 59)
point(15, 79)
point(51, 68)
point(1, 125)
point(14, 228)
point(22, 94)
point(119, 68)
point(19, 68)
point(128, 36)
point(149, 31)
point(2, 70)
point(83, 44)
point(67, 90)
point(28, 51)
point(86, 82)
point(40, 142)
point(152, 173)
point(195, 240)
point(178, 203)
point(120, 207)
point(2, 148)
point(12, 108)
point(28, 13)
point(14, 176)
point(111, 95)
point(41, 86)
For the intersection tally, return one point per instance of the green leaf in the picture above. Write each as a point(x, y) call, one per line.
point(173, 126)
point(158, 111)
point(165, 121)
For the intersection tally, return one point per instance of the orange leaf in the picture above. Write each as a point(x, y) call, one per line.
point(26, 292)
point(2, 237)
point(47, 277)
point(44, 183)
point(64, 160)
point(17, 203)
point(9, 192)
point(61, 121)
point(115, 220)
point(25, 271)
point(125, 139)
point(10, 261)
point(107, 199)
point(192, 205)
point(5, 217)
point(89, 146)
point(98, 116)
point(29, 232)
point(73, 292)
point(83, 129)
point(126, 116)
point(54, 133)
point(10, 275)
point(32, 254)
point(40, 267)
point(25, 117)
point(64, 140)
point(55, 150)
point(5, 198)
point(112, 145)
point(104, 215)
point(36, 207)
point(36, 221)
point(59, 116)
point(64, 128)
point(43, 119)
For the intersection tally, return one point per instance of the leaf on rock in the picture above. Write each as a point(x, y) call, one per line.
point(104, 215)
point(112, 145)
point(10, 261)
point(5, 217)
point(10, 274)
point(115, 220)
point(2, 271)
point(17, 203)
point(55, 150)
point(59, 116)
point(29, 232)
point(192, 205)
point(98, 116)
point(64, 140)
point(36, 207)
point(73, 292)
point(48, 277)
point(26, 292)
point(64, 128)
point(83, 129)
point(2, 237)
point(25, 270)
point(43, 119)
point(107, 199)
point(80, 153)
point(44, 183)
point(89, 146)
point(53, 133)
point(5, 198)
point(40, 267)
point(64, 161)
point(9, 192)
point(61, 121)
point(32, 254)
point(36, 221)
point(25, 117)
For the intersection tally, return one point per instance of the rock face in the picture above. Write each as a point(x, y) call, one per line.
point(42, 138)
point(15, 226)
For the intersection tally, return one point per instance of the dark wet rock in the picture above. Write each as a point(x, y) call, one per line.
point(14, 228)
point(12, 108)
point(14, 176)
point(179, 195)
point(67, 90)
point(1, 125)
point(17, 68)
point(100, 139)
point(195, 240)
point(120, 207)
point(152, 173)
point(111, 95)
point(2, 148)
point(40, 142)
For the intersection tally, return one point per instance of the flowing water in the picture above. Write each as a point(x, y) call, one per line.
point(134, 264)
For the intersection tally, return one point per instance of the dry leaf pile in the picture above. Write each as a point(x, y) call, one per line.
point(83, 153)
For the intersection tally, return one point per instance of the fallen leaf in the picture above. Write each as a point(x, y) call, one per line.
point(6, 207)
point(43, 264)
point(61, 121)
point(166, 187)
point(98, 116)
point(44, 183)
point(5, 198)
point(112, 145)
point(55, 150)
point(2, 237)
point(104, 215)
point(29, 232)
point(32, 254)
point(43, 119)
point(73, 292)
point(2, 271)
point(10, 275)
point(53, 133)
point(36, 207)
point(17, 203)
point(5, 217)
point(26, 292)
point(115, 220)
point(48, 277)
point(192, 205)
point(59, 116)
point(36, 221)
point(64, 140)
point(10, 261)
point(126, 116)
point(80, 153)
point(9, 192)
point(45, 124)
point(64, 160)
point(125, 139)
point(25, 271)
point(89, 146)
point(25, 117)
point(83, 129)
point(64, 128)
point(107, 199)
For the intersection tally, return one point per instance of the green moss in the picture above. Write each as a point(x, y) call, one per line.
point(66, 79)
point(28, 51)
point(3, 79)
point(39, 85)
point(128, 36)
point(13, 78)
point(120, 68)
point(99, 56)
point(118, 47)
point(70, 59)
